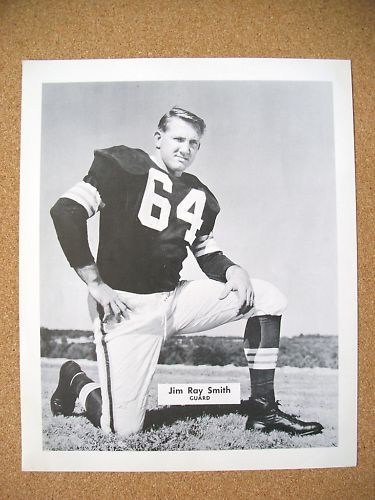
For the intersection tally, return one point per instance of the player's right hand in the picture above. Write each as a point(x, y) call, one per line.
point(109, 299)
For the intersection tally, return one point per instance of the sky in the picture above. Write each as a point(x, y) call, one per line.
point(267, 155)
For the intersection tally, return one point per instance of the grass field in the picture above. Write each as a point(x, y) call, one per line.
point(310, 393)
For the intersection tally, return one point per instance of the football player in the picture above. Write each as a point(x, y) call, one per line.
point(151, 212)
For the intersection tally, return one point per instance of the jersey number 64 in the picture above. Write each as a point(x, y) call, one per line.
point(190, 209)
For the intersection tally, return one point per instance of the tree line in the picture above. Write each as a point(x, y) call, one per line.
point(300, 351)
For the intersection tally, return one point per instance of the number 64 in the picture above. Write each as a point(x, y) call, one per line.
point(185, 211)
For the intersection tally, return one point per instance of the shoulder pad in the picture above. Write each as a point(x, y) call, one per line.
point(132, 161)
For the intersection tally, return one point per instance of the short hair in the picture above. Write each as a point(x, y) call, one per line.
point(184, 115)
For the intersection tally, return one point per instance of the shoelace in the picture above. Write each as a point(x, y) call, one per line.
point(275, 406)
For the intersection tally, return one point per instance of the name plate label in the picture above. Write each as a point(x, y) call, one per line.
point(199, 394)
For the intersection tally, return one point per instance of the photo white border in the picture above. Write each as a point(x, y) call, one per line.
point(35, 73)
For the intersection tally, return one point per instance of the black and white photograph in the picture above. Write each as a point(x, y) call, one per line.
point(187, 265)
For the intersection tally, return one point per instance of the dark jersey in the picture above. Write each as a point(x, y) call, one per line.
point(148, 218)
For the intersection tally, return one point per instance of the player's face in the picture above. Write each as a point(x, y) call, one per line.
point(178, 145)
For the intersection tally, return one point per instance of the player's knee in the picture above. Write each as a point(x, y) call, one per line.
point(270, 300)
point(128, 427)
point(123, 428)
point(127, 418)
point(279, 301)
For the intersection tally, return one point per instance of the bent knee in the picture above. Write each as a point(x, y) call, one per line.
point(280, 302)
point(269, 299)
point(128, 418)
point(125, 429)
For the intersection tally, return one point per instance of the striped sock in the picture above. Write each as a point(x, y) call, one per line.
point(89, 395)
point(261, 347)
point(79, 380)
point(85, 391)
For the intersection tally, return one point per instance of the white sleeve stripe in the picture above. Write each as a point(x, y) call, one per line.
point(86, 195)
point(87, 191)
point(204, 237)
point(205, 245)
point(199, 246)
point(81, 201)
point(211, 248)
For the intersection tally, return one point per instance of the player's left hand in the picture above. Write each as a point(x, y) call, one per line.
point(238, 281)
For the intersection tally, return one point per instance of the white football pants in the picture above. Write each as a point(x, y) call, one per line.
point(128, 352)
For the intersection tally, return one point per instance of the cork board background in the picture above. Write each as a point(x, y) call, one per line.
point(75, 29)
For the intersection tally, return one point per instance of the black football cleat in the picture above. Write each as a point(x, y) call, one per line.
point(63, 399)
point(265, 416)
